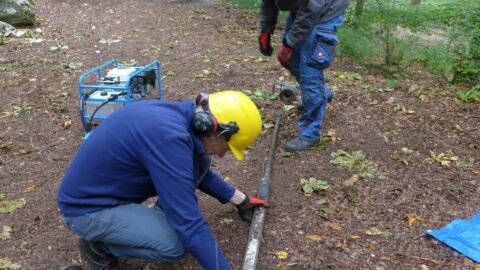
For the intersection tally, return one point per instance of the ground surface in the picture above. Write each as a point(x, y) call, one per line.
point(363, 223)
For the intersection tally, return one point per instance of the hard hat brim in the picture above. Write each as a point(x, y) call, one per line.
point(239, 154)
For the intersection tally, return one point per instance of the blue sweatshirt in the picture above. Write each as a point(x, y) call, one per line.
point(147, 149)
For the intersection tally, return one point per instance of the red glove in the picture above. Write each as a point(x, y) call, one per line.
point(284, 55)
point(247, 207)
point(264, 42)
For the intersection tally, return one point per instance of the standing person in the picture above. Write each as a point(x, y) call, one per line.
point(308, 47)
point(156, 148)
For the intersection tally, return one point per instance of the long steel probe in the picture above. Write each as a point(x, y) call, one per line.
point(256, 228)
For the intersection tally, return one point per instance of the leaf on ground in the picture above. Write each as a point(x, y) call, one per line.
point(444, 159)
point(357, 161)
point(268, 125)
point(414, 219)
point(262, 59)
point(109, 41)
point(9, 206)
point(401, 108)
point(34, 40)
point(282, 255)
point(206, 74)
point(314, 237)
point(171, 73)
point(347, 76)
point(288, 107)
point(313, 185)
point(67, 124)
point(8, 265)
point(351, 181)
point(18, 110)
point(334, 226)
point(5, 145)
point(128, 63)
point(332, 135)
point(466, 165)
point(29, 189)
point(59, 47)
point(287, 154)
point(355, 237)
point(423, 267)
point(345, 159)
point(71, 66)
point(323, 143)
point(198, 10)
point(373, 231)
point(5, 235)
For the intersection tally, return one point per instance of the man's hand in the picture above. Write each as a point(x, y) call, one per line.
point(247, 207)
point(285, 54)
point(264, 42)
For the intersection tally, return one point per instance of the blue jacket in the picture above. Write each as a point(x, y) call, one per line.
point(147, 149)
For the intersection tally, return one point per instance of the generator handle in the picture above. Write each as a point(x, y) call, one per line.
point(99, 73)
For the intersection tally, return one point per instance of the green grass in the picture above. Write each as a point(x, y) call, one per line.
point(255, 5)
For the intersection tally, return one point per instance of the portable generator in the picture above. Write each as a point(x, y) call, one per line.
point(114, 87)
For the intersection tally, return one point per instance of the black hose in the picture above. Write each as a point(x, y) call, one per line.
point(111, 98)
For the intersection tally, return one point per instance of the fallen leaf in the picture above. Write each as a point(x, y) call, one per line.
point(67, 124)
point(334, 226)
point(423, 267)
point(351, 181)
point(30, 189)
point(9, 206)
point(314, 237)
point(281, 254)
point(414, 219)
point(355, 237)
point(5, 235)
point(373, 231)
point(7, 264)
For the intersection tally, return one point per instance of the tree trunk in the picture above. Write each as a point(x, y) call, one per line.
point(359, 8)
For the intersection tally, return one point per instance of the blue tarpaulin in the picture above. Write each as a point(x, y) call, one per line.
point(461, 235)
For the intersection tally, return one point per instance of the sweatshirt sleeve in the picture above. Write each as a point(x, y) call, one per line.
point(268, 16)
point(170, 165)
point(303, 23)
point(216, 187)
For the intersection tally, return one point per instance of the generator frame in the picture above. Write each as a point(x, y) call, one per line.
point(100, 70)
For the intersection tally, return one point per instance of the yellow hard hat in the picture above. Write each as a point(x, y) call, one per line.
point(234, 106)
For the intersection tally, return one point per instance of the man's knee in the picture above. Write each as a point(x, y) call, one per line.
point(173, 254)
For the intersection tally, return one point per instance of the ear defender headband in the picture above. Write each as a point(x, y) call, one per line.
point(206, 124)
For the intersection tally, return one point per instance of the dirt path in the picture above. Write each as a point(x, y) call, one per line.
point(40, 132)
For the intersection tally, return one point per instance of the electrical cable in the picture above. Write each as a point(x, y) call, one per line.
point(111, 98)
point(82, 109)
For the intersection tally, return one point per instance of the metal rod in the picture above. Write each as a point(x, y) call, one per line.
point(256, 228)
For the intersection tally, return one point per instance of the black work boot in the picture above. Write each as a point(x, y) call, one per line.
point(298, 144)
point(97, 256)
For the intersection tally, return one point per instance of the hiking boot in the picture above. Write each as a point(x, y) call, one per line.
point(298, 144)
point(97, 256)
